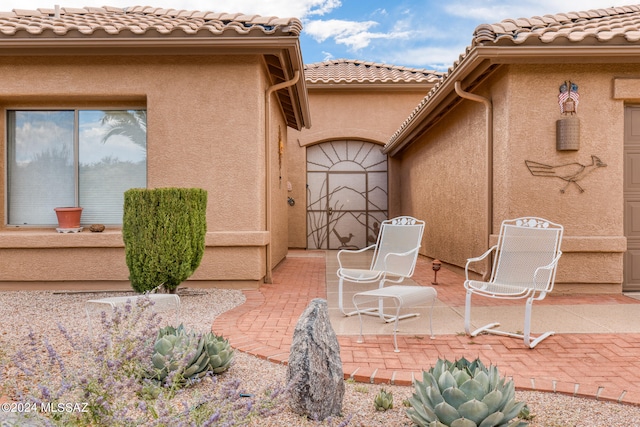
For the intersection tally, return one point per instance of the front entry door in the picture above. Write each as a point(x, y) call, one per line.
point(346, 194)
point(632, 198)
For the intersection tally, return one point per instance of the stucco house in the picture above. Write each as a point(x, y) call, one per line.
point(210, 97)
point(537, 117)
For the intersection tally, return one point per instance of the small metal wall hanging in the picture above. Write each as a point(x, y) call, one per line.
point(570, 172)
point(568, 128)
point(568, 98)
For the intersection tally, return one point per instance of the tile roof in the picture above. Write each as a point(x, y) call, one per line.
point(145, 29)
point(139, 21)
point(344, 71)
point(610, 25)
point(601, 28)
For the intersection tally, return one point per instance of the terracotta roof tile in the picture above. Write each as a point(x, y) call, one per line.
point(139, 20)
point(574, 27)
point(343, 71)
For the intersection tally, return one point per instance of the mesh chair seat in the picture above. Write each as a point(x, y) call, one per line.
point(499, 290)
point(360, 275)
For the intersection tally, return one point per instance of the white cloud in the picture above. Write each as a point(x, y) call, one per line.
point(322, 30)
point(496, 10)
point(327, 56)
point(353, 34)
point(434, 58)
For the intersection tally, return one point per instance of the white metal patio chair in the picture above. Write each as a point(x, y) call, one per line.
point(524, 266)
point(394, 259)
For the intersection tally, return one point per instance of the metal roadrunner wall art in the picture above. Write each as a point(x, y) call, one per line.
point(570, 172)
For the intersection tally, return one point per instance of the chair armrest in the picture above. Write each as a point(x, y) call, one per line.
point(398, 254)
point(352, 251)
point(547, 267)
point(476, 259)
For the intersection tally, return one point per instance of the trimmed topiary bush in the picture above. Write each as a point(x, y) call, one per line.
point(163, 231)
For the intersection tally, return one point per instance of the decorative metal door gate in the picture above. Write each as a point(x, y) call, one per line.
point(346, 194)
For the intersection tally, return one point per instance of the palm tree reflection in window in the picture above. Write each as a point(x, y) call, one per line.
point(112, 160)
point(130, 124)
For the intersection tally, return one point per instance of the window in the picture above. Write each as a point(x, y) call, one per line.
point(86, 158)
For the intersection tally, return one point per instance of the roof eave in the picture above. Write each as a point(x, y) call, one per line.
point(140, 45)
point(298, 92)
point(481, 58)
point(420, 120)
point(559, 53)
point(287, 49)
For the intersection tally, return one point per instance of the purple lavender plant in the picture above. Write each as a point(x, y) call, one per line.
point(108, 380)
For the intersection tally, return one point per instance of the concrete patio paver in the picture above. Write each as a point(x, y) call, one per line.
point(595, 352)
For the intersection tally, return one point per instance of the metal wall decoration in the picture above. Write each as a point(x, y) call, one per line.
point(346, 194)
point(568, 98)
point(280, 155)
point(570, 172)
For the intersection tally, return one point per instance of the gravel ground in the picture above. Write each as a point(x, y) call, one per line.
point(41, 310)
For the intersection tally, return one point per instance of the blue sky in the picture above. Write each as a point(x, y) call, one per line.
point(414, 33)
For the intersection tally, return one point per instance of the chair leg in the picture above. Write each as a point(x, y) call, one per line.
point(529, 340)
point(370, 311)
point(467, 314)
point(384, 318)
point(340, 299)
point(527, 327)
point(467, 321)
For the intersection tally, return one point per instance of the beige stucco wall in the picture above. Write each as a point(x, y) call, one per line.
point(442, 181)
point(443, 175)
point(205, 129)
point(593, 220)
point(371, 114)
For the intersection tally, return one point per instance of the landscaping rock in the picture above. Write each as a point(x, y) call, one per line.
point(314, 373)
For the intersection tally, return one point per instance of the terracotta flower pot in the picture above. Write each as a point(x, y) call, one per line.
point(69, 217)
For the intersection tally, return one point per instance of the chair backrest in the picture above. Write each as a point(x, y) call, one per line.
point(398, 235)
point(524, 245)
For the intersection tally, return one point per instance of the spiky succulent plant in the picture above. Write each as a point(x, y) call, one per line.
point(464, 394)
point(383, 400)
point(185, 355)
point(219, 352)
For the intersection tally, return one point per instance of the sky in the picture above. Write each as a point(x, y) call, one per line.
point(429, 34)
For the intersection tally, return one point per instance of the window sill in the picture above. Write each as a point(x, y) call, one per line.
point(50, 238)
point(23, 238)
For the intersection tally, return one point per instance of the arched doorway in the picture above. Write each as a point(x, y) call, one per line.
point(346, 194)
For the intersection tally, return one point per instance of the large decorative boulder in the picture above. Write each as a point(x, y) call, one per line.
point(315, 370)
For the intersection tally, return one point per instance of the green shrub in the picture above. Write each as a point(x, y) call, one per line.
point(163, 231)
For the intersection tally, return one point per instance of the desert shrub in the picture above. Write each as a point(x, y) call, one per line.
point(163, 231)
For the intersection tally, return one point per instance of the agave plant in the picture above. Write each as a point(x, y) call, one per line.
point(180, 353)
point(187, 356)
point(383, 400)
point(464, 394)
point(219, 352)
